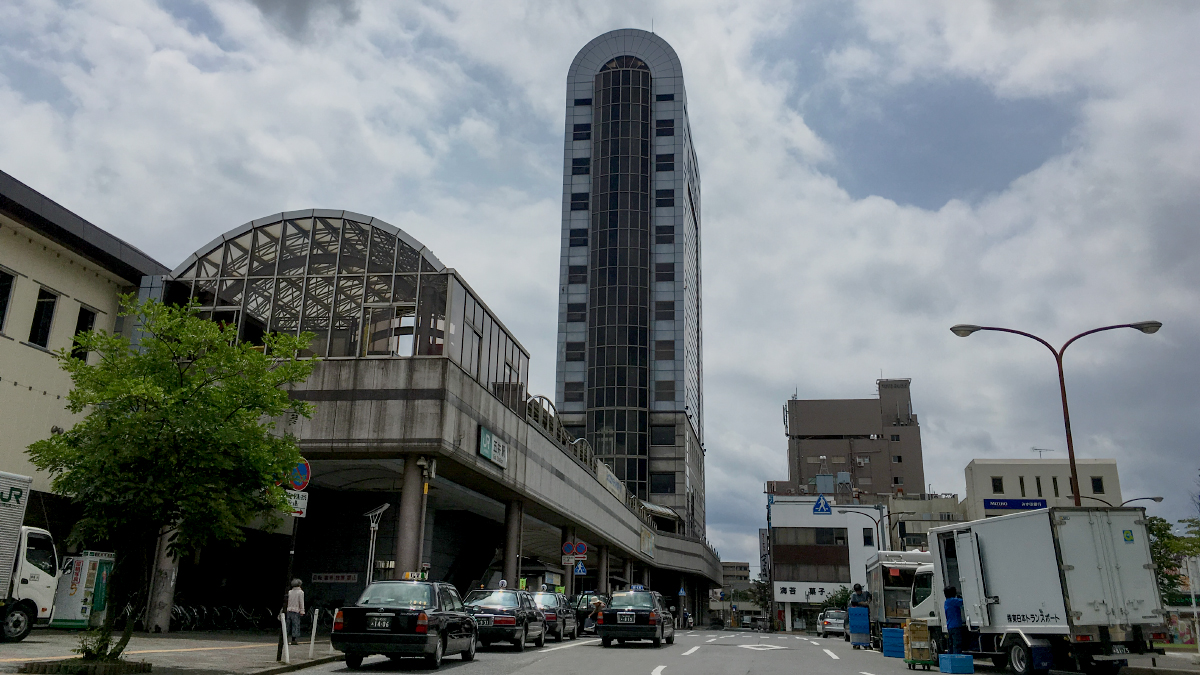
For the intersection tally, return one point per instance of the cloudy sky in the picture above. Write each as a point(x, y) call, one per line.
point(872, 174)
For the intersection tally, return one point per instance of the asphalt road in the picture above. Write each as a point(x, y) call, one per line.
point(694, 653)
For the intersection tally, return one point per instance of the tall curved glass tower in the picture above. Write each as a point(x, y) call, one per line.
point(629, 337)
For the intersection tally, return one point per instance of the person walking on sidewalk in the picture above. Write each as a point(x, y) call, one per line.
point(295, 610)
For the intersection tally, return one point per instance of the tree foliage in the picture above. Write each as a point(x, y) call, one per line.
point(1165, 554)
point(839, 599)
point(177, 438)
point(761, 594)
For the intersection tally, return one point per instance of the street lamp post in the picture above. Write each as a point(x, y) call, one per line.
point(1135, 499)
point(878, 536)
point(1147, 327)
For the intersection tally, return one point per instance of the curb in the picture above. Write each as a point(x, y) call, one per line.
point(1143, 670)
point(323, 660)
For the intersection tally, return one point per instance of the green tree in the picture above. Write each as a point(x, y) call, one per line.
point(1165, 553)
point(839, 599)
point(760, 594)
point(177, 438)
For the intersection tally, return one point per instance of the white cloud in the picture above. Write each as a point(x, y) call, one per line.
point(445, 118)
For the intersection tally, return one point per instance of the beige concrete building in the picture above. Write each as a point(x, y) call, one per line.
point(59, 275)
point(999, 486)
point(864, 446)
point(911, 516)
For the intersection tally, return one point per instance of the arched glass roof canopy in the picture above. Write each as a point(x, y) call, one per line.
point(365, 288)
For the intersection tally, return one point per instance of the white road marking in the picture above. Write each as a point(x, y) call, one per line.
point(657, 671)
point(712, 640)
point(691, 651)
point(832, 655)
point(573, 644)
point(760, 647)
point(861, 672)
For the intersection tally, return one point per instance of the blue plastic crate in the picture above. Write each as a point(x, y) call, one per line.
point(859, 620)
point(956, 663)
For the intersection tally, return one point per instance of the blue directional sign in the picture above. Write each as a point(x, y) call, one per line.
point(579, 568)
point(682, 592)
point(822, 506)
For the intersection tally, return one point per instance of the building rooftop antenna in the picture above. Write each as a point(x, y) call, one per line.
point(1039, 451)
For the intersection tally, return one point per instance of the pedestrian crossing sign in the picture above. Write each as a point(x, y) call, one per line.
point(822, 506)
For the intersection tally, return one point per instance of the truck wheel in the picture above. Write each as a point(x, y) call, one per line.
point(17, 624)
point(1021, 659)
point(605, 642)
point(354, 661)
point(1000, 661)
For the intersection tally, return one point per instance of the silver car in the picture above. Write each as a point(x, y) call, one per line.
point(831, 622)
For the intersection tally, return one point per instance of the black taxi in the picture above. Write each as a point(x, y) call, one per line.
point(636, 614)
point(506, 615)
point(405, 618)
point(560, 615)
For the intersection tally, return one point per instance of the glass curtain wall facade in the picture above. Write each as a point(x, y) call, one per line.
point(619, 289)
point(629, 368)
point(362, 287)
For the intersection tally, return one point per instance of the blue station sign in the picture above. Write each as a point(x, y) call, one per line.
point(1014, 504)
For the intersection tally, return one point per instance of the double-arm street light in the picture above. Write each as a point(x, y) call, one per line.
point(1135, 499)
point(1148, 327)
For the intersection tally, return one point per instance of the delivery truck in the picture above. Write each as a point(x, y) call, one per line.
point(1071, 588)
point(890, 579)
point(28, 564)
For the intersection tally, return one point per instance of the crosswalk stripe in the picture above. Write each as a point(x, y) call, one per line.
point(832, 655)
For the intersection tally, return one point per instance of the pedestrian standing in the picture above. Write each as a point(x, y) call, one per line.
point(955, 626)
point(294, 610)
point(860, 598)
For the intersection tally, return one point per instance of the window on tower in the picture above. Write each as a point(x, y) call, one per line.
point(575, 351)
point(573, 392)
point(664, 162)
point(664, 271)
point(581, 166)
point(665, 97)
point(582, 132)
point(663, 127)
point(579, 201)
point(664, 310)
point(664, 234)
point(664, 198)
point(577, 274)
point(583, 101)
point(664, 350)
point(576, 311)
point(578, 237)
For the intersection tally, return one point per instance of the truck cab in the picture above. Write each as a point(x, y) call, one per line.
point(29, 598)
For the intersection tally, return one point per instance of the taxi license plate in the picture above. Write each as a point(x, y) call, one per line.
point(625, 617)
point(483, 620)
point(1120, 649)
point(379, 622)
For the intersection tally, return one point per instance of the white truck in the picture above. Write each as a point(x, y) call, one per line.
point(890, 581)
point(28, 564)
point(1066, 587)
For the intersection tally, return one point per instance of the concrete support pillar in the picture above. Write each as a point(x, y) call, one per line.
point(513, 515)
point(646, 577)
point(628, 572)
point(787, 616)
point(409, 520)
point(602, 571)
point(568, 535)
point(162, 588)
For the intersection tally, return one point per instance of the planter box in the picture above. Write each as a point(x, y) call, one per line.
point(80, 667)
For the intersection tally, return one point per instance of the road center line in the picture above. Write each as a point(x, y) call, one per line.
point(861, 672)
point(691, 651)
point(712, 640)
point(573, 644)
point(832, 655)
point(657, 671)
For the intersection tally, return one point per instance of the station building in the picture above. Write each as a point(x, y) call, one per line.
point(422, 404)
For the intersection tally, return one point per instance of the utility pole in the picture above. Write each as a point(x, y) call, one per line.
point(770, 568)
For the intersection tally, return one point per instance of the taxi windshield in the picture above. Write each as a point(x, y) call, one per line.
point(492, 599)
point(632, 601)
point(412, 596)
point(545, 599)
point(835, 614)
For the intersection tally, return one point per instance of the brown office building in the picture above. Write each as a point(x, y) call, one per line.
point(859, 447)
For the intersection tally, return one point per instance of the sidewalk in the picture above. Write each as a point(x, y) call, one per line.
point(187, 653)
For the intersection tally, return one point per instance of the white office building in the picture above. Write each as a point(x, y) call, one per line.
point(996, 487)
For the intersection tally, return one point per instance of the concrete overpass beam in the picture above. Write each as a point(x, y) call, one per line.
point(514, 512)
point(409, 520)
point(568, 535)
point(602, 571)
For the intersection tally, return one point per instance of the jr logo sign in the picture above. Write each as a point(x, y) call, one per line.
point(14, 496)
